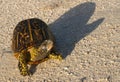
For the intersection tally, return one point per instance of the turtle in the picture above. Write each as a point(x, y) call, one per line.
point(32, 43)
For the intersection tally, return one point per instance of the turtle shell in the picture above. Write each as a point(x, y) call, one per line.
point(28, 33)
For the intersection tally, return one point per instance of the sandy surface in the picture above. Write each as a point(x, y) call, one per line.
point(87, 33)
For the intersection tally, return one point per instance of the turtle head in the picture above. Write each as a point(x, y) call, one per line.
point(45, 46)
point(42, 51)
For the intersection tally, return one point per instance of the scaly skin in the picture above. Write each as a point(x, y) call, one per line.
point(23, 64)
point(55, 56)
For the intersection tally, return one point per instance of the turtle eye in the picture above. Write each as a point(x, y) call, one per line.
point(43, 47)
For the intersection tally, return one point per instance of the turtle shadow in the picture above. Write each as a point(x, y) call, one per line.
point(72, 26)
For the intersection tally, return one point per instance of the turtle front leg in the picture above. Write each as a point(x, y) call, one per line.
point(22, 65)
point(55, 54)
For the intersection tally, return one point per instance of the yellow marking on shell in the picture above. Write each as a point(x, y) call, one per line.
point(24, 29)
point(23, 34)
point(43, 32)
point(17, 39)
point(36, 32)
point(31, 37)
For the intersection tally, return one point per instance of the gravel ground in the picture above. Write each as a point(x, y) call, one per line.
point(87, 34)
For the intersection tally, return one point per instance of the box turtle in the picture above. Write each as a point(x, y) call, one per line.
point(33, 43)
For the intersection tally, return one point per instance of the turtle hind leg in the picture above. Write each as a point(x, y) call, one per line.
point(22, 65)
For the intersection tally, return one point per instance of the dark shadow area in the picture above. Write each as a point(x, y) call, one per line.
point(33, 68)
point(72, 27)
